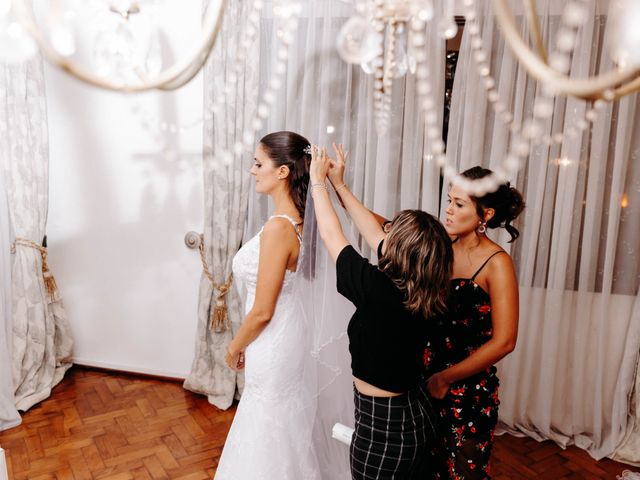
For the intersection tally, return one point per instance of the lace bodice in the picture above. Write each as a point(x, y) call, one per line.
point(245, 267)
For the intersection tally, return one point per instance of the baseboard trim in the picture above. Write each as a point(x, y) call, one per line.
point(130, 370)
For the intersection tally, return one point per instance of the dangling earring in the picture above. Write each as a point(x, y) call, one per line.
point(482, 228)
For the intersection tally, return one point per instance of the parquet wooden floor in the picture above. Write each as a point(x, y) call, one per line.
point(108, 426)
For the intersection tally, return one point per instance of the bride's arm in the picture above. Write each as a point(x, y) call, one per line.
point(277, 243)
point(368, 223)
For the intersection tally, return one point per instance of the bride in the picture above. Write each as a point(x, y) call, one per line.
point(270, 437)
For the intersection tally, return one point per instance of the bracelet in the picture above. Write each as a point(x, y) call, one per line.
point(344, 185)
point(319, 185)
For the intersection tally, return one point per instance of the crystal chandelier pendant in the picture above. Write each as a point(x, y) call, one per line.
point(400, 63)
point(367, 67)
point(357, 41)
point(411, 57)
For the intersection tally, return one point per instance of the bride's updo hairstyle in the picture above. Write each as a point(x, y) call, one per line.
point(291, 149)
point(506, 202)
point(418, 258)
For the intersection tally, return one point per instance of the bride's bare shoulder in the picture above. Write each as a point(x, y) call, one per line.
point(279, 229)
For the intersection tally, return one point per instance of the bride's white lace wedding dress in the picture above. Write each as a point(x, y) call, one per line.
point(270, 437)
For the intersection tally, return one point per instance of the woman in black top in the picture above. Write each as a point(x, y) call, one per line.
point(390, 328)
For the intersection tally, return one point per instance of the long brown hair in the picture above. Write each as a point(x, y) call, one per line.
point(289, 148)
point(419, 259)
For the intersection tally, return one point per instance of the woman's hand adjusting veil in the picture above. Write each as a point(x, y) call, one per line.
point(336, 172)
point(320, 165)
point(328, 224)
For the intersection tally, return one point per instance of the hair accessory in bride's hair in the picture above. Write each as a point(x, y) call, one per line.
point(311, 149)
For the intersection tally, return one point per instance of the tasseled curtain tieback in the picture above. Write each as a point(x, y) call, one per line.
point(219, 313)
point(47, 276)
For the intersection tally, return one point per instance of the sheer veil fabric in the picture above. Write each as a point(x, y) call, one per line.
point(327, 368)
point(327, 100)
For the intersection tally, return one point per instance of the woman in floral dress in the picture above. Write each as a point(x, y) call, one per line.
point(479, 329)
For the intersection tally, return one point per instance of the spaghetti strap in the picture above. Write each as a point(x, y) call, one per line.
point(485, 262)
point(291, 221)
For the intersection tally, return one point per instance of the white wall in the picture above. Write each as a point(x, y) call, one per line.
point(119, 209)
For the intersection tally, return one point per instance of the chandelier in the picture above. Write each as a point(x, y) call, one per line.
point(551, 70)
point(126, 53)
point(387, 38)
point(377, 38)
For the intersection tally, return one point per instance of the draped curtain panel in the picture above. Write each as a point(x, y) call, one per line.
point(226, 186)
point(41, 340)
point(629, 450)
point(572, 374)
point(626, 274)
point(9, 416)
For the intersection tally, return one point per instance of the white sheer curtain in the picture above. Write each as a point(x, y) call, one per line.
point(327, 100)
point(9, 416)
point(578, 259)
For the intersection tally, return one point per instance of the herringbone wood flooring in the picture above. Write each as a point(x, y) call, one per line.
point(99, 425)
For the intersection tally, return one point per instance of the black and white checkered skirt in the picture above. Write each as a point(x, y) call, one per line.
point(392, 436)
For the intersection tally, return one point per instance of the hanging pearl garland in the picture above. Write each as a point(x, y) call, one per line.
point(289, 13)
point(543, 107)
point(382, 82)
point(573, 17)
point(249, 36)
point(435, 145)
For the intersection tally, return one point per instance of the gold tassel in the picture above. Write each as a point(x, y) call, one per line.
point(218, 313)
point(47, 276)
point(219, 317)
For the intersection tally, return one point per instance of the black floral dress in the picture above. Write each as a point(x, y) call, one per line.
point(468, 414)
